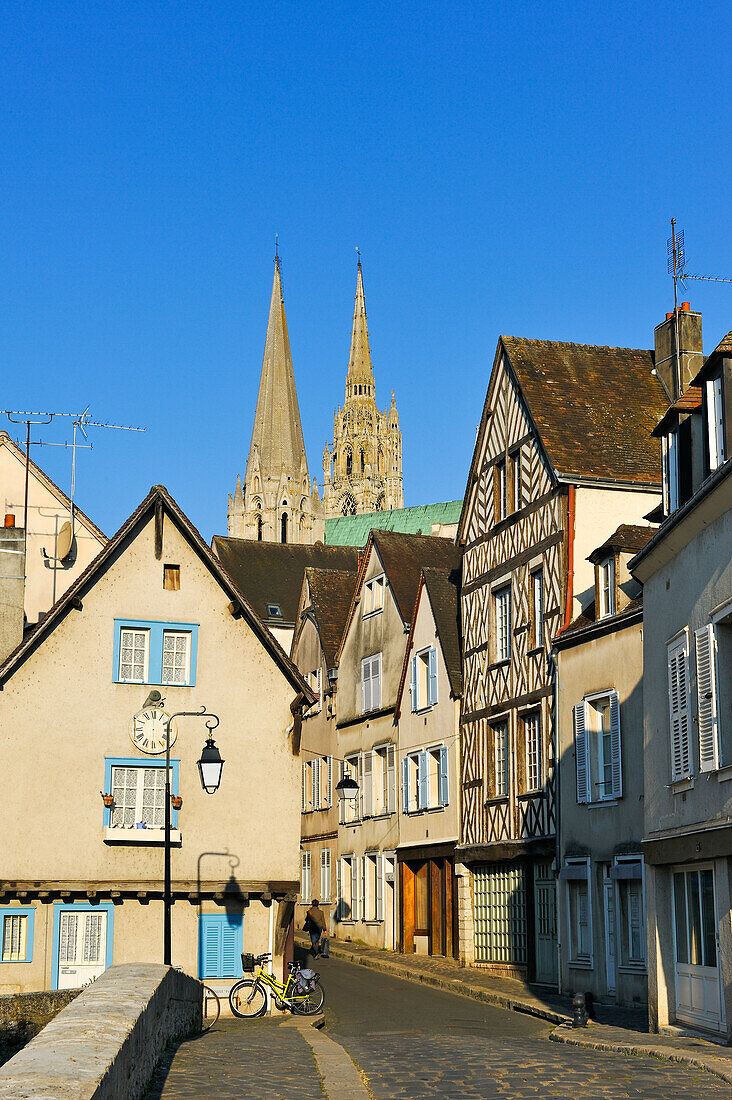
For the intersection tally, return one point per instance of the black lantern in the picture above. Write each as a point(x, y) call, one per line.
point(347, 789)
point(210, 766)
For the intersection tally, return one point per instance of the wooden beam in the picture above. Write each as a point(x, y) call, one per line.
point(159, 513)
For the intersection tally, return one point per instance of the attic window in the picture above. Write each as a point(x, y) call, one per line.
point(606, 587)
point(274, 610)
point(171, 578)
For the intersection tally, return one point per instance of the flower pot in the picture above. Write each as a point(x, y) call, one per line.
point(108, 800)
point(176, 801)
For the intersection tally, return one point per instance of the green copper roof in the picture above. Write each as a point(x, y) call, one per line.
point(354, 530)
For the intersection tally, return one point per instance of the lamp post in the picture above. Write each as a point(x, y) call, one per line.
point(210, 767)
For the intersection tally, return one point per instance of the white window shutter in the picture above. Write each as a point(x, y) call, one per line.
point(405, 785)
point(328, 800)
point(360, 785)
point(391, 779)
point(432, 680)
point(339, 890)
point(379, 912)
point(365, 685)
point(355, 889)
point(424, 793)
point(580, 753)
point(678, 698)
point(443, 781)
point(413, 686)
point(615, 745)
point(706, 688)
point(315, 782)
point(305, 787)
point(376, 682)
point(367, 784)
point(362, 889)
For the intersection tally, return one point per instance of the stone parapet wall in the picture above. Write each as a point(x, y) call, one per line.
point(23, 1015)
point(105, 1044)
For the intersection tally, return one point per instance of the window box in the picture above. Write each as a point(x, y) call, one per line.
point(115, 834)
point(160, 653)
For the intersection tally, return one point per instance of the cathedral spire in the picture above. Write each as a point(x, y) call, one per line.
point(277, 432)
point(359, 363)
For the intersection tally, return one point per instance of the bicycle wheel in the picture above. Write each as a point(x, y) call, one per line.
point(211, 1008)
point(247, 999)
point(308, 1006)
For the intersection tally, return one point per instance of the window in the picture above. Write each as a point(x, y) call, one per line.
point(315, 680)
point(350, 889)
point(373, 887)
point(373, 595)
point(500, 490)
point(606, 587)
point(500, 759)
point(425, 782)
point(274, 610)
point(695, 917)
point(537, 591)
point(155, 652)
point(532, 741)
point(580, 912)
point(597, 748)
point(325, 874)
point(516, 487)
point(678, 703)
point(171, 578)
point(502, 604)
point(670, 456)
point(715, 422)
point(305, 891)
point(317, 784)
point(138, 789)
point(628, 876)
point(380, 793)
point(424, 679)
point(16, 934)
point(283, 526)
point(220, 944)
point(371, 683)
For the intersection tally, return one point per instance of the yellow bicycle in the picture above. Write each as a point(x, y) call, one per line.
point(301, 993)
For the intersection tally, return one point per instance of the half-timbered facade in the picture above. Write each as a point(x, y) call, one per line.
point(561, 458)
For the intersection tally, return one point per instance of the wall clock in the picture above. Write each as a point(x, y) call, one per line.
point(147, 730)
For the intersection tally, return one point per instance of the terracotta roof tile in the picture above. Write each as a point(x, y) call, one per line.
point(689, 402)
point(331, 592)
point(443, 588)
point(629, 537)
point(594, 407)
point(405, 556)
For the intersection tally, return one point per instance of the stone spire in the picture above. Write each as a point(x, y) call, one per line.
point(359, 363)
point(276, 502)
point(277, 432)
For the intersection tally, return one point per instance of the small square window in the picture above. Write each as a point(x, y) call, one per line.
point(274, 610)
point(16, 934)
point(171, 578)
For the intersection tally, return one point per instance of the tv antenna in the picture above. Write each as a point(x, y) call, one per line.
point(80, 422)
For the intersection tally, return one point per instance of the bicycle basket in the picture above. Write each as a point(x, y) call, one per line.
point(247, 962)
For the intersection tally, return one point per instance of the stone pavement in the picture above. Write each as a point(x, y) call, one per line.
point(616, 1029)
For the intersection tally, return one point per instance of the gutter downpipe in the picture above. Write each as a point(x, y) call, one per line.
point(567, 621)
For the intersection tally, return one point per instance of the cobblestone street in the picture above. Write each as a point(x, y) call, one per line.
point(417, 1043)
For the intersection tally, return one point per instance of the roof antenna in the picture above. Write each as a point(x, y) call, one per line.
point(676, 258)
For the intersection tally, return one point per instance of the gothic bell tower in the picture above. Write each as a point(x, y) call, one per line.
point(362, 470)
point(276, 502)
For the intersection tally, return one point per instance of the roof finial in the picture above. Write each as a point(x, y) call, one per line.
point(277, 248)
point(358, 253)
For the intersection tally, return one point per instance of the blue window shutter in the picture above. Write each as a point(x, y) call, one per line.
point(210, 945)
point(415, 701)
point(405, 785)
point(424, 798)
point(231, 948)
point(444, 784)
point(432, 690)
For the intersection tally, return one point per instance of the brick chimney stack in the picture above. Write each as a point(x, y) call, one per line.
point(690, 350)
point(12, 585)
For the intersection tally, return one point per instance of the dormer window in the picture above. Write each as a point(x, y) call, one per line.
point(274, 610)
point(715, 422)
point(373, 595)
point(670, 452)
point(606, 587)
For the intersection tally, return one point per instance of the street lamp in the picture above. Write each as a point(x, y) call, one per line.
point(210, 780)
point(347, 789)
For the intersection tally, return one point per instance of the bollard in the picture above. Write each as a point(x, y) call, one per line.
point(579, 1010)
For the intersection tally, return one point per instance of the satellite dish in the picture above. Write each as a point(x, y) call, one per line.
point(64, 542)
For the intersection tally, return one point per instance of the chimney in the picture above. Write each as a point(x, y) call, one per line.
point(690, 355)
point(12, 585)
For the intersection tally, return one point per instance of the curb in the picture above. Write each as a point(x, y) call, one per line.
point(718, 1066)
point(452, 985)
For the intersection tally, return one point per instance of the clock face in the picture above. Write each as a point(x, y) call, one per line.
point(148, 729)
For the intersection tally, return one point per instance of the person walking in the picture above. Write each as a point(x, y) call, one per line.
point(315, 925)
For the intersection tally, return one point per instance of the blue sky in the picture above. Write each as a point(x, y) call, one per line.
point(504, 168)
